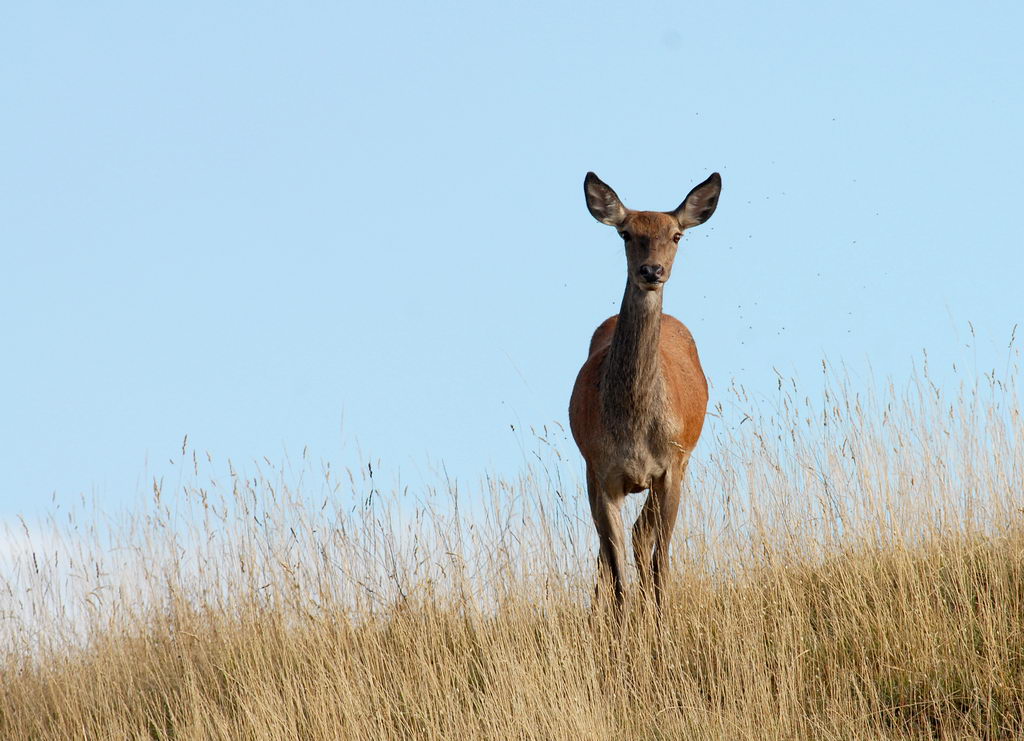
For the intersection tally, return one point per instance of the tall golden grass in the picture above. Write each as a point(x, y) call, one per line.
point(845, 568)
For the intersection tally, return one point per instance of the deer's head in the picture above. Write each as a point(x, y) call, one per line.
point(651, 237)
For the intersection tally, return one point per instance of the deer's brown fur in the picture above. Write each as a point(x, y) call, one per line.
point(638, 405)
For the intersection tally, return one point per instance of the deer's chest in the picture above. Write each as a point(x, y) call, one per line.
point(639, 450)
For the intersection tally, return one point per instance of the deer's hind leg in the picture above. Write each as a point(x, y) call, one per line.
point(644, 530)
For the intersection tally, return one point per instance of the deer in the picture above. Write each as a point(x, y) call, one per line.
point(638, 405)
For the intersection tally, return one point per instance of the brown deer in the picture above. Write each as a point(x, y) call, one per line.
point(638, 405)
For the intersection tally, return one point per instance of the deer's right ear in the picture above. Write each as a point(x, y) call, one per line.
point(604, 205)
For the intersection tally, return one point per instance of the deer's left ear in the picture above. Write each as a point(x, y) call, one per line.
point(700, 203)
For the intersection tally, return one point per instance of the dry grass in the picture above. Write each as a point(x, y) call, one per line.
point(852, 568)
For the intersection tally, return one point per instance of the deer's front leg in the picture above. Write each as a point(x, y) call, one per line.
point(606, 509)
point(666, 504)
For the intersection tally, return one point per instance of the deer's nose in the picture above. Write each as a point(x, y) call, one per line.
point(651, 273)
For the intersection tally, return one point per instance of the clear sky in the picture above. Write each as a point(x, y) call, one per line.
point(361, 227)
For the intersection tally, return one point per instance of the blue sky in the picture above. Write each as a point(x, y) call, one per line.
point(360, 226)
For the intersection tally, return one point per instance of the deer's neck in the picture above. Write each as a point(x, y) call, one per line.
point(631, 386)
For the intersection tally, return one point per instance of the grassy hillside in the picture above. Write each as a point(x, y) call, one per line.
point(847, 568)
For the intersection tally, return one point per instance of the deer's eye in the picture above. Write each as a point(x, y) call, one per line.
point(625, 236)
point(675, 238)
